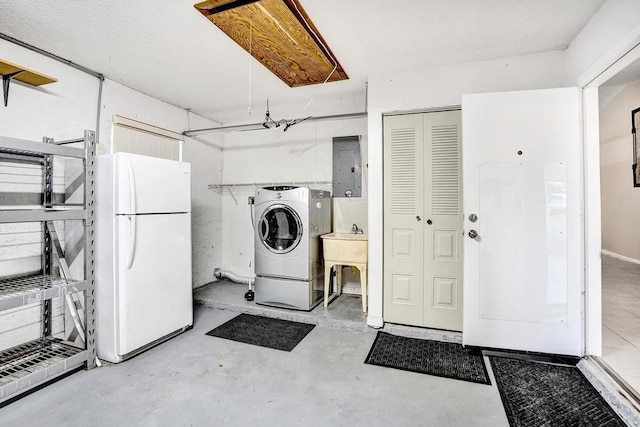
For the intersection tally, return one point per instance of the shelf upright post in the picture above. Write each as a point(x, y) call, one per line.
point(46, 271)
point(89, 267)
point(47, 198)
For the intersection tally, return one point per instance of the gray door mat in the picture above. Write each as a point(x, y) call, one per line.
point(536, 394)
point(441, 359)
point(263, 331)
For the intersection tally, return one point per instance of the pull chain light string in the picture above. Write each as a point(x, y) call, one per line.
point(250, 61)
point(331, 58)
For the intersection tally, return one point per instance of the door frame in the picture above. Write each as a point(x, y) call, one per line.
point(590, 83)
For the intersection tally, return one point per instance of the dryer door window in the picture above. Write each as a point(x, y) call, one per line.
point(280, 229)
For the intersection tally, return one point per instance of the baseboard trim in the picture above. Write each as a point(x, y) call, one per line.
point(620, 257)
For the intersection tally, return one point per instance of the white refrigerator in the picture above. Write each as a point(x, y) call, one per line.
point(142, 253)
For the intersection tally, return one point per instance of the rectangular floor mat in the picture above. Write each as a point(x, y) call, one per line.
point(263, 331)
point(536, 394)
point(442, 359)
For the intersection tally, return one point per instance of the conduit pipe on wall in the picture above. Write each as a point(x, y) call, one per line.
point(224, 274)
point(72, 64)
point(260, 126)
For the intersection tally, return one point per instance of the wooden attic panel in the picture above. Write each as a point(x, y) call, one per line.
point(27, 76)
point(280, 39)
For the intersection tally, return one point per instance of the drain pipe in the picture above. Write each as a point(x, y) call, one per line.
point(225, 274)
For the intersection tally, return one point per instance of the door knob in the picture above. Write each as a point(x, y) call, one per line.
point(473, 234)
point(429, 222)
point(418, 218)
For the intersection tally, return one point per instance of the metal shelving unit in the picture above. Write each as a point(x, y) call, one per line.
point(34, 363)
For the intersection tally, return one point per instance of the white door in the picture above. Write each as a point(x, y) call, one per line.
point(423, 222)
point(403, 211)
point(443, 221)
point(522, 201)
point(154, 295)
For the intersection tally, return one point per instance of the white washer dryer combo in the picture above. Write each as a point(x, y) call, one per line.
point(288, 256)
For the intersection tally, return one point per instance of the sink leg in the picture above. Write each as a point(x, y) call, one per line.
point(363, 283)
point(327, 283)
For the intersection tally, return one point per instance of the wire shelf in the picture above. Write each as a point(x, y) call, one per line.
point(219, 187)
point(19, 291)
point(34, 362)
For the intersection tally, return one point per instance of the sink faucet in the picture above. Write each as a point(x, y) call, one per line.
point(355, 229)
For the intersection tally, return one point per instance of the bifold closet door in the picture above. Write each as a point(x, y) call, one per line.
point(423, 223)
point(403, 212)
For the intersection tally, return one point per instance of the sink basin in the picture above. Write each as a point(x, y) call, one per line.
point(345, 236)
point(345, 247)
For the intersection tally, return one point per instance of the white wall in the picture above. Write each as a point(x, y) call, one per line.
point(437, 87)
point(205, 155)
point(613, 31)
point(303, 153)
point(63, 110)
point(620, 200)
point(202, 152)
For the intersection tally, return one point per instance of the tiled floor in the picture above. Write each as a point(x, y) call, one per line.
point(621, 318)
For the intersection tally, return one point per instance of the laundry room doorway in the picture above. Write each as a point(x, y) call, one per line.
point(618, 119)
point(422, 220)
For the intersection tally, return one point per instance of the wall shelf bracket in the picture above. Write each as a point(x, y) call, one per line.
point(10, 71)
point(6, 79)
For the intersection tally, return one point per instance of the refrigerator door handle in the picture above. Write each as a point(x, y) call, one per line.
point(132, 240)
point(132, 189)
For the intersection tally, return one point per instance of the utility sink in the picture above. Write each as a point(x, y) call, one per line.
point(345, 249)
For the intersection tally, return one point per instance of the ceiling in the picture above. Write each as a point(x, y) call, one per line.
point(169, 50)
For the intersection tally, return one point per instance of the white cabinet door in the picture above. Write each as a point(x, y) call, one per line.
point(521, 175)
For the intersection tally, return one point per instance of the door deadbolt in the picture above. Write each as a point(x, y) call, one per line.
point(473, 234)
point(473, 217)
point(418, 218)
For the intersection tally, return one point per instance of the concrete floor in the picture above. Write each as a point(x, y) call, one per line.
point(343, 312)
point(195, 379)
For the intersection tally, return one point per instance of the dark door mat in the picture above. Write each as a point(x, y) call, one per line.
point(263, 331)
point(535, 394)
point(442, 359)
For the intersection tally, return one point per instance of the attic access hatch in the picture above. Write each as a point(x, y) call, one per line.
point(280, 35)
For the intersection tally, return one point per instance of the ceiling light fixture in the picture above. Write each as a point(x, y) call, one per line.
point(269, 123)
